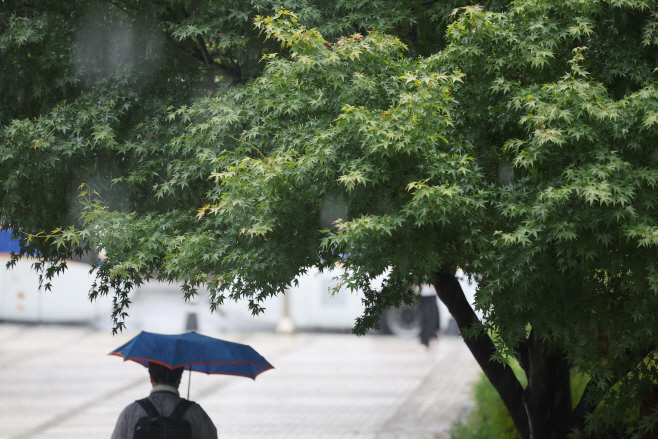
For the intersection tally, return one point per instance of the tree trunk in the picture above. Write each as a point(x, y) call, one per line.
point(647, 408)
point(547, 397)
point(482, 348)
point(543, 409)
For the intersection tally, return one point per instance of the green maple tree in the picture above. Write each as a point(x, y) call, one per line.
point(516, 142)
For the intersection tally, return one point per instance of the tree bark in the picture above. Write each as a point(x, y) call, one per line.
point(482, 348)
point(647, 408)
point(547, 397)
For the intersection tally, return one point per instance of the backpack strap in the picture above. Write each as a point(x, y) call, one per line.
point(148, 407)
point(181, 408)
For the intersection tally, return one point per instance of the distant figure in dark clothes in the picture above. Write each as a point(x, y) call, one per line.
point(429, 314)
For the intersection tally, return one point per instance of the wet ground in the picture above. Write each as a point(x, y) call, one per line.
point(59, 382)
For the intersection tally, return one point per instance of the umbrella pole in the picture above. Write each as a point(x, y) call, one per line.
point(189, 380)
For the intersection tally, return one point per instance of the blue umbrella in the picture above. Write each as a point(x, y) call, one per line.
point(195, 352)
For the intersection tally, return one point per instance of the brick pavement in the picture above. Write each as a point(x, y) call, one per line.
point(58, 382)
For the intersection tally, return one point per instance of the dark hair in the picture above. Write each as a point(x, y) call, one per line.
point(163, 375)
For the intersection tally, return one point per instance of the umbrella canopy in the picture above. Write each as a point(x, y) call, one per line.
point(195, 352)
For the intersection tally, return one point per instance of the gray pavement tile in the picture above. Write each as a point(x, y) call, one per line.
point(58, 382)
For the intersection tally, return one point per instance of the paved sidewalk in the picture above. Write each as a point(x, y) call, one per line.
point(58, 382)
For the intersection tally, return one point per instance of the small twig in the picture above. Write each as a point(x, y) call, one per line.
point(35, 144)
point(247, 143)
point(124, 10)
point(42, 235)
point(10, 141)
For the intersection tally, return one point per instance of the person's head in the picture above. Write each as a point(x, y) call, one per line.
point(163, 375)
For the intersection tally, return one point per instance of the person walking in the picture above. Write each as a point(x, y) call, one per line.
point(164, 401)
point(429, 314)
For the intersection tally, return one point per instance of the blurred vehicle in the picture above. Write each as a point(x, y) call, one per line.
point(405, 320)
point(313, 305)
point(66, 302)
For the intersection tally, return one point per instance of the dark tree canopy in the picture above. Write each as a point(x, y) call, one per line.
point(233, 145)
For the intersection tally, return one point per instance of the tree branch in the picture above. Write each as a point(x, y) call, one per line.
point(482, 348)
point(522, 354)
point(186, 52)
point(204, 51)
point(123, 9)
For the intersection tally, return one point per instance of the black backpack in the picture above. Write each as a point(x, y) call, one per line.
point(155, 426)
